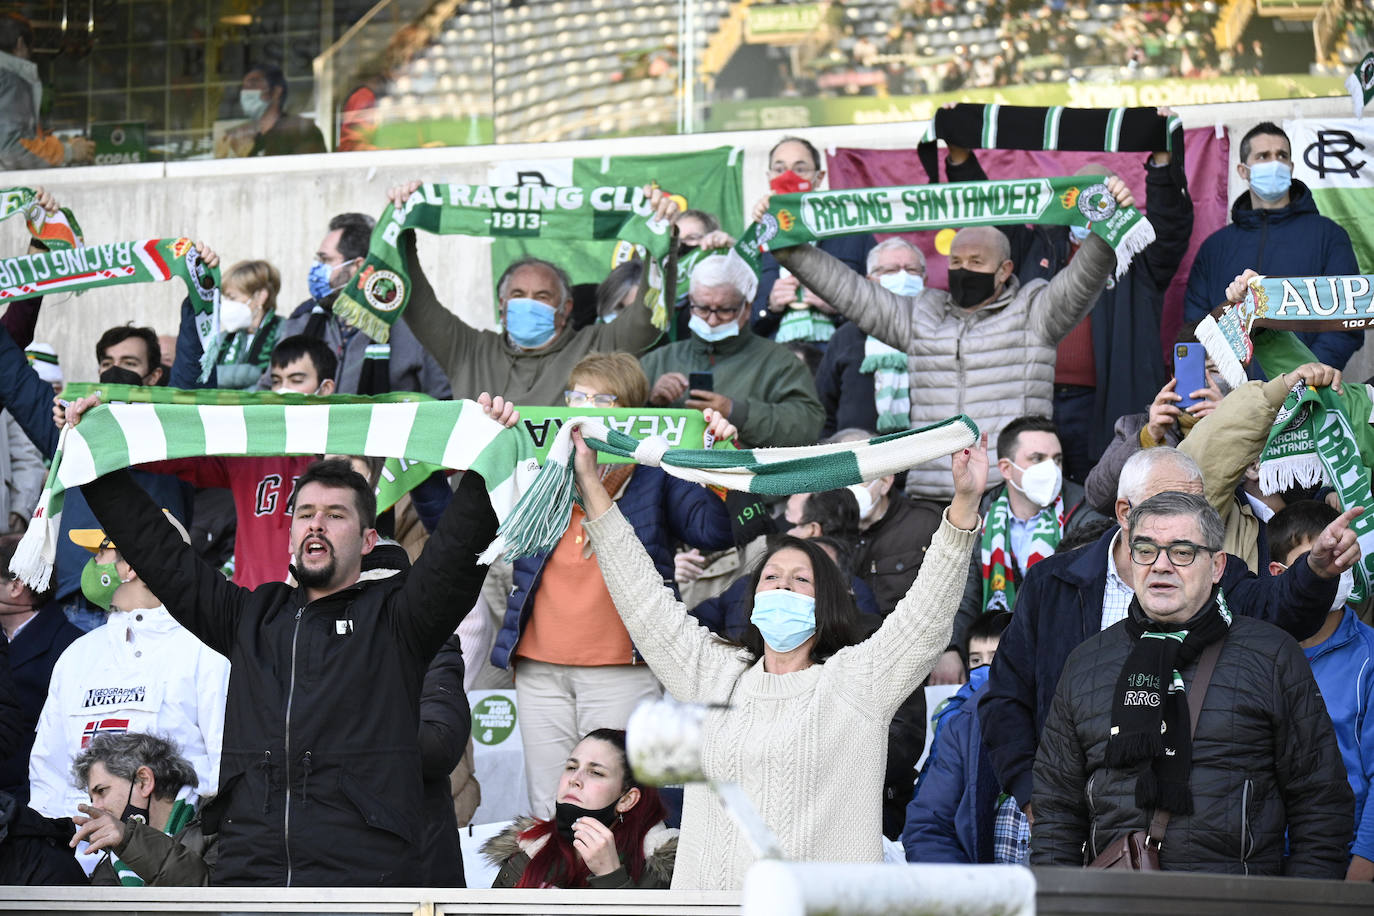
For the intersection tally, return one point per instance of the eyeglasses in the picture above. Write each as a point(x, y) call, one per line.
point(582, 399)
point(804, 171)
point(1180, 553)
point(725, 313)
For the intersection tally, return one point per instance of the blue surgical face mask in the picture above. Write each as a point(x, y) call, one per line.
point(786, 619)
point(318, 281)
point(902, 283)
point(607, 319)
point(1270, 180)
point(529, 322)
point(1079, 234)
point(702, 329)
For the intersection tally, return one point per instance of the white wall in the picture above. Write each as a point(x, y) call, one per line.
point(278, 209)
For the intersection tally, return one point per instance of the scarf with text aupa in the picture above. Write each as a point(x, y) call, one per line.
point(375, 298)
point(794, 219)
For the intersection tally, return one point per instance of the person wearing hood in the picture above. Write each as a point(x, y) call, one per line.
point(1275, 229)
point(23, 144)
point(756, 384)
point(985, 348)
point(607, 831)
point(530, 356)
point(141, 672)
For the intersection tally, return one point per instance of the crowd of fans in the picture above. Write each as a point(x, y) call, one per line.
point(268, 685)
point(934, 46)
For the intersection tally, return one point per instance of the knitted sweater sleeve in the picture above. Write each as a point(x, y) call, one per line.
point(884, 669)
point(690, 661)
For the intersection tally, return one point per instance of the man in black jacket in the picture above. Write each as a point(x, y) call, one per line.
point(1255, 786)
point(1069, 597)
point(320, 775)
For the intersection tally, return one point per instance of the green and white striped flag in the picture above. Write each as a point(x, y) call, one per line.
point(533, 504)
point(1332, 157)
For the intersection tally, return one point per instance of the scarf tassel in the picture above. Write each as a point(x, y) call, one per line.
point(1174, 797)
point(1137, 239)
point(1280, 474)
point(1126, 749)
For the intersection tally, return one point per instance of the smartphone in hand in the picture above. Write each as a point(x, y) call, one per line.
point(1190, 368)
point(701, 381)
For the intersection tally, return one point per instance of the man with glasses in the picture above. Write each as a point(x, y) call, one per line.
point(1256, 785)
point(1068, 598)
point(765, 391)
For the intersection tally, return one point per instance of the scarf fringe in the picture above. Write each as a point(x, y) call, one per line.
point(1126, 749)
point(36, 553)
point(1209, 334)
point(362, 319)
point(892, 361)
point(1137, 239)
point(1174, 797)
point(1290, 471)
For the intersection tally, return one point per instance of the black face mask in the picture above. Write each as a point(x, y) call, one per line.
point(118, 375)
point(131, 811)
point(565, 813)
point(683, 249)
point(970, 287)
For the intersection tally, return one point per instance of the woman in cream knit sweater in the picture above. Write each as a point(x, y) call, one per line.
point(805, 728)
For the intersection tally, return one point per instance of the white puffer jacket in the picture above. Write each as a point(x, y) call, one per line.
point(994, 364)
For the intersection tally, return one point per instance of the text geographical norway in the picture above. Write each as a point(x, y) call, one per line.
point(113, 696)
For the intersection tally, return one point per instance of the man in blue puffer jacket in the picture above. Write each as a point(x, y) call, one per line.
point(1275, 229)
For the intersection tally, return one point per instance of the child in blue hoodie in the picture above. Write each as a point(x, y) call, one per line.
point(1342, 657)
point(958, 814)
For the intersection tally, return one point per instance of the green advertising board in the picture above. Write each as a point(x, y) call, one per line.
point(116, 144)
point(794, 113)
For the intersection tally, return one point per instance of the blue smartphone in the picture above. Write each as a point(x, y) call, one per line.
point(1190, 368)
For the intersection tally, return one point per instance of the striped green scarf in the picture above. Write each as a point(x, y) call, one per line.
point(183, 809)
point(795, 219)
point(891, 384)
point(56, 231)
point(376, 297)
point(533, 503)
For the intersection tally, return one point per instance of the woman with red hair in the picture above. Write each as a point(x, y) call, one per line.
point(607, 830)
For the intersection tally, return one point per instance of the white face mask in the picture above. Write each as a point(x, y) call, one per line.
point(902, 283)
point(234, 316)
point(1040, 482)
point(1344, 587)
point(868, 502)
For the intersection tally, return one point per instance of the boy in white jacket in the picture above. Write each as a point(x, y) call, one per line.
point(141, 672)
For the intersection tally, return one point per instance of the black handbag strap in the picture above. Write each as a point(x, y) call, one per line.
point(1206, 664)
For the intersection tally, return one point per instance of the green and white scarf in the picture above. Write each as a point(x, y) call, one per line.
point(377, 296)
point(1360, 84)
point(891, 384)
point(1287, 304)
point(999, 573)
point(533, 503)
point(146, 261)
point(794, 219)
point(183, 809)
point(1311, 442)
point(58, 230)
point(806, 325)
point(1028, 127)
point(537, 522)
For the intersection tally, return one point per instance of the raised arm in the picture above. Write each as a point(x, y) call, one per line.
point(878, 311)
point(884, 669)
point(447, 337)
point(205, 602)
point(692, 664)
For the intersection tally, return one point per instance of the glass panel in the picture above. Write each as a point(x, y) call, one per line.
point(406, 73)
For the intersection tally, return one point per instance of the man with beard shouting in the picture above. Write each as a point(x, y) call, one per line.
point(320, 776)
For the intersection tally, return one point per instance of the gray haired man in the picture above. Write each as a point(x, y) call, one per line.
point(142, 812)
point(1257, 788)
